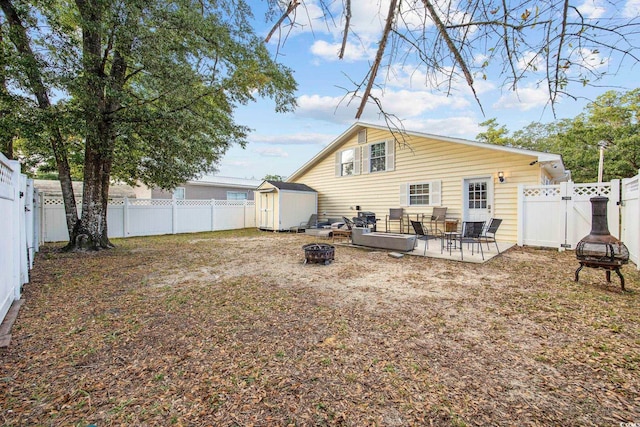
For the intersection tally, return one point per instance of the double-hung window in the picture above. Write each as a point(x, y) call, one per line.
point(420, 194)
point(378, 157)
point(348, 162)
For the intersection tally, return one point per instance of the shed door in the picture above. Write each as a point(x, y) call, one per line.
point(267, 202)
point(478, 199)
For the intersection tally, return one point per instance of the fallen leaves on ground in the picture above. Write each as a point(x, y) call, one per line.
point(231, 328)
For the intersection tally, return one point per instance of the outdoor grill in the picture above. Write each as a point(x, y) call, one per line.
point(318, 253)
point(599, 249)
point(366, 219)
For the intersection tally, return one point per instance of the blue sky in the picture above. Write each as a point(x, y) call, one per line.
point(281, 143)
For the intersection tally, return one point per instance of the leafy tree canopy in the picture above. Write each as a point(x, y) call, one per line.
point(612, 119)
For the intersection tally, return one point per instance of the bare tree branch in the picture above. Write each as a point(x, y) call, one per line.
point(347, 22)
point(290, 8)
point(376, 64)
point(453, 48)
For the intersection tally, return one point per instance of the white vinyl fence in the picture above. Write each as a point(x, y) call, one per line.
point(631, 217)
point(559, 216)
point(148, 217)
point(17, 232)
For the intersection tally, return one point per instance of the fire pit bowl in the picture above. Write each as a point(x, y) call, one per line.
point(599, 249)
point(319, 253)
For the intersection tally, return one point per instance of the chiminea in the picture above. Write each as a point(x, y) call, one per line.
point(599, 249)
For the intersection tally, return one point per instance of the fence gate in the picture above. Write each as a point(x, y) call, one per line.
point(558, 216)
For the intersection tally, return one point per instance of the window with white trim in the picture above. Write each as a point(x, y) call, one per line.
point(347, 158)
point(237, 195)
point(348, 162)
point(179, 193)
point(378, 157)
point(426, 193)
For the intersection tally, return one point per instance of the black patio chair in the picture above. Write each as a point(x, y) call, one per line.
point(471, 233)
point(489, 234)
point(422, 234)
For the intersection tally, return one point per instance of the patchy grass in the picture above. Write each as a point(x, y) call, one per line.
point(231, 328)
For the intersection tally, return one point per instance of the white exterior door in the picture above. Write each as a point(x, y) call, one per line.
point(267, 201)
point(478, 199)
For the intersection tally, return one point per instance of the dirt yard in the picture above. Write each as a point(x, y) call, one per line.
point(232, 329)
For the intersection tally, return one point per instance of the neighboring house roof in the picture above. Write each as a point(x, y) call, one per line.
point(52, 187)
point(291, 186)
point(226, 181)
point(551, 163)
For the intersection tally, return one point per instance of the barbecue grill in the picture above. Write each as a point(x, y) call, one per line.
point(599, 249)
point(366, 219)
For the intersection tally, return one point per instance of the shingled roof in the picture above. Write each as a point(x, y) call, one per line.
point(291, 186)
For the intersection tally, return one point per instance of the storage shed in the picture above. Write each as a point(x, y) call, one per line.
point(282, 205)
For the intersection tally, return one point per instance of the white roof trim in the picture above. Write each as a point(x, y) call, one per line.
point(540, 156)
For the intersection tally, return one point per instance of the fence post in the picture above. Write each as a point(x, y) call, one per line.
point(174, 215)
point(125, 217)
point(614, 209)
point(521, 218)
point(15, 229)
point(213, 214)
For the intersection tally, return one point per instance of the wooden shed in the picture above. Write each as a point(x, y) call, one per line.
point(283, 205)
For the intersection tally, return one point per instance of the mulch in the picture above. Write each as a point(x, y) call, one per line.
point(232, 329)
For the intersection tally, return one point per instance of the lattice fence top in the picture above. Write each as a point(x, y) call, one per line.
point(542, 191)
point(58, 201)
point(591, 190)
point(5, 173)
point(150, 202)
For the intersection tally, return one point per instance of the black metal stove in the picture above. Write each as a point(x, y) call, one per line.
point(599, 249)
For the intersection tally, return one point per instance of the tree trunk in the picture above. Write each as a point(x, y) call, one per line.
point(91, 231)
point(20, 39)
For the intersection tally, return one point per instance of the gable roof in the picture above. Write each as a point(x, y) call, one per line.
point(291, 186)
point(552, 163)
point(225, 181)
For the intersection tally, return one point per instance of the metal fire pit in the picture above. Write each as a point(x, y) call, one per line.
point(319, 253)
point(599, 249)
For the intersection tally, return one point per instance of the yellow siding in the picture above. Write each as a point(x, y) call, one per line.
point(421, 159)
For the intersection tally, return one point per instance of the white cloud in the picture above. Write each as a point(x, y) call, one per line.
point(631, 9)
point(271, 152)
point(329, 51)
point(457, 126)
point(589, 59)
point(308, 138)
point(531, 62)
point(592, 9)
point(524, 99)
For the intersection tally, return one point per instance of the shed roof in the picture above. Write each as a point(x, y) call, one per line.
point(552, 163)
point(291, 186)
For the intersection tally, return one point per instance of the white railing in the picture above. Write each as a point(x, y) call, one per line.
point(148, 217)
point(17, 232)
point(631, 217)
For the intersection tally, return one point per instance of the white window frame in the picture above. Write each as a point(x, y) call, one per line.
point(435, 193)
point(355, 170)
point(389, 157)
point(179, 193)
point(244, 193)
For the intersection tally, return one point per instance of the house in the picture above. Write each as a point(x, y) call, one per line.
point(369, 168)
point(282, 206)
point(208, 187)
point(51, 187)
